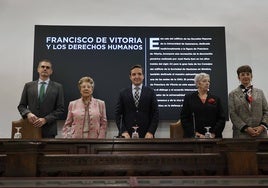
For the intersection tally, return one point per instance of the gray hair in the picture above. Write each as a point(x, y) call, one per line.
point(199, 77)
point(86, 79)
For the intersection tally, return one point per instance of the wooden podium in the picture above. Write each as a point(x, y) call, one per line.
point(27, 130)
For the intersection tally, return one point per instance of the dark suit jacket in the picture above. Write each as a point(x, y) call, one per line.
point(146, 115)
point(50, 109)
point(208, 114)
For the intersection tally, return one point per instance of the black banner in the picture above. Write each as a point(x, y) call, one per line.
point(171, 56)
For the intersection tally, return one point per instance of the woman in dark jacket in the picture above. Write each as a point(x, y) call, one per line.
point(202, 109)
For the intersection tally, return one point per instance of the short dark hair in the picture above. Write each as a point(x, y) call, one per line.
point(135, 66)
point(244, 68)
point(45, 60)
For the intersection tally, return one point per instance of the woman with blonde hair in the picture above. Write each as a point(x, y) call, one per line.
point(202, 109)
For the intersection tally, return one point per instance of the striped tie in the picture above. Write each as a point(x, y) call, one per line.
point(136, 96)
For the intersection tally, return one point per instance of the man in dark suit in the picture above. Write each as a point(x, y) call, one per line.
point(137, 106)
point(42, 101)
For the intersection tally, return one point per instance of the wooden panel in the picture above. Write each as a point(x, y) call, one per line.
point(241, 156)
point(2, 164)
point(132, 164)
point(114, 146)
point(143, 157)
point(21, 158)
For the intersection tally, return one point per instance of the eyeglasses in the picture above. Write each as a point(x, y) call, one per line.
point(47, 67)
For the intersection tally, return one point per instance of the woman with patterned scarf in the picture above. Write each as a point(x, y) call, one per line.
point(248, 107)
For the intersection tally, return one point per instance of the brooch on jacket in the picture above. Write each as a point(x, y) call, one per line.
point(211, 101)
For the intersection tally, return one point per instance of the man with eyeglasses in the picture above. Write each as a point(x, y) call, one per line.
point(42, 101)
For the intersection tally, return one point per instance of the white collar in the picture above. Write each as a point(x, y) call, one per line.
point(40, 81)
point(133, 86)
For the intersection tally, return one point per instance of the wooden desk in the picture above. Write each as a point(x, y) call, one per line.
point(133, 157)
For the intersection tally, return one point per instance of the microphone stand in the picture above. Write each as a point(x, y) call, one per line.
point(120, 128)
point(194, 125)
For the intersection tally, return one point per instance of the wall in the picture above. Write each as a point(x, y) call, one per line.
point(245, 22)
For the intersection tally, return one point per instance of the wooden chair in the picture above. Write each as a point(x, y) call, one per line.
point(176, 130)
point(27, 130)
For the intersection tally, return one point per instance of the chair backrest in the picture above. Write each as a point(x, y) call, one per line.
point(27, 130)
point(176, 130)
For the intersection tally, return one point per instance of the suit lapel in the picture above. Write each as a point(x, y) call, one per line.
point(241, 97)
point(130, 95)
point(35, 89)
point(142, 93)
point(255, 95)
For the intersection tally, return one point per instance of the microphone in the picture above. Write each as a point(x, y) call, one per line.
point(194, 125)
point(120, 127)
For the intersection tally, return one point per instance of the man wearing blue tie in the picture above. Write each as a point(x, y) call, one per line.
point(42, 101)
point(137, 106)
